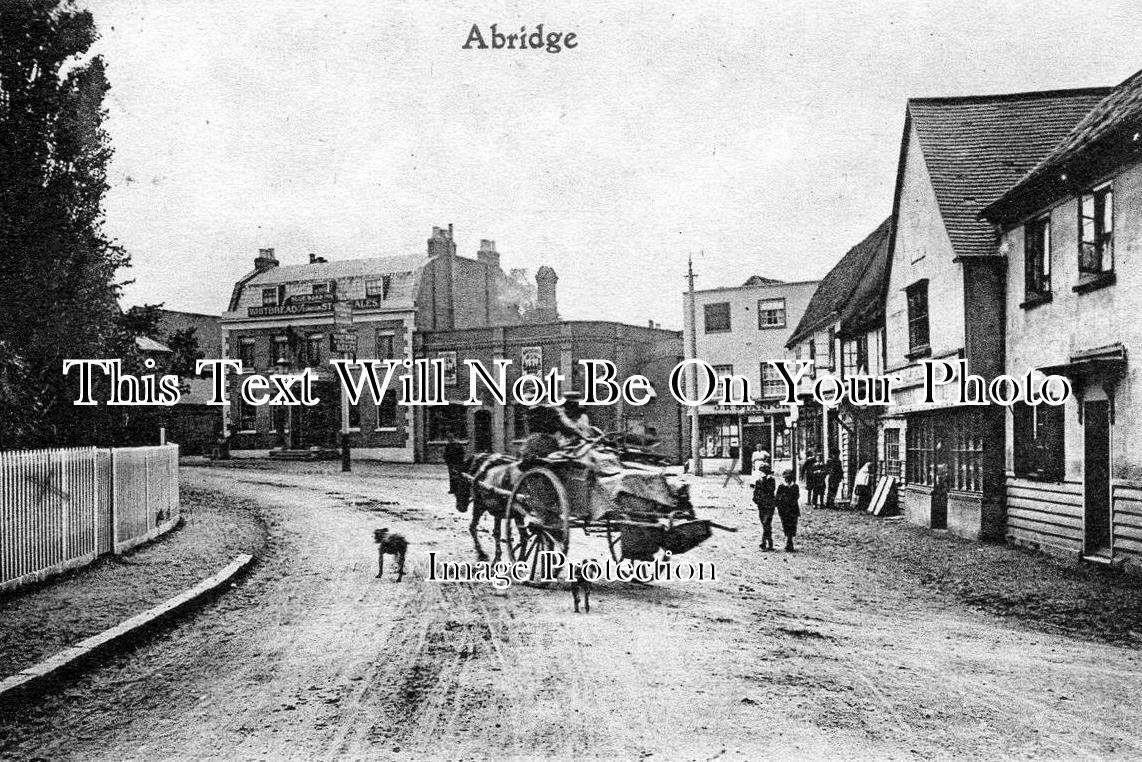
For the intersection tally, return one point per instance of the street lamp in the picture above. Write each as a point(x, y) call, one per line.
point(281, 367)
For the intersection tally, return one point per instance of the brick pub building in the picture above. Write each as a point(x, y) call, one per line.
point(281, 319)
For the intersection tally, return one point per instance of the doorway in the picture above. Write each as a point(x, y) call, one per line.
point(482, 423)
point(1096, 478)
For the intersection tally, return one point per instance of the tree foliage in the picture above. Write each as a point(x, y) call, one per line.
point(59, 288)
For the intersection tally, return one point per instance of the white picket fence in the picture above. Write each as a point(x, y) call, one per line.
point(63, 508)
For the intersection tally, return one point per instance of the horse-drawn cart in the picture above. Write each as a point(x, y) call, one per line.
point(638, 508)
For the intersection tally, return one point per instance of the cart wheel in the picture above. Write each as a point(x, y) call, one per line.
point(537, 517)
point(615, 542)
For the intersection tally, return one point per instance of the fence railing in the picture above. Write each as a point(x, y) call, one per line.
point(63, 508)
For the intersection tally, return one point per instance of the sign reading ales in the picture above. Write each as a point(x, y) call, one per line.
point(304, 304)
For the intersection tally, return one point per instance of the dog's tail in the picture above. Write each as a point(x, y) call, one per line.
point(379, 535)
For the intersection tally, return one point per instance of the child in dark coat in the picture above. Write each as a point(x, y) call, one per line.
point(763, 497)
point(788, 499)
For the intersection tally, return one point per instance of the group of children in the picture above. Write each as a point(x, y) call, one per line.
point(771, 497)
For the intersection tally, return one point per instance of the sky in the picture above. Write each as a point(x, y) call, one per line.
point(757, 137)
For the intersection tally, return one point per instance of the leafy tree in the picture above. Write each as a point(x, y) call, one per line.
point(184, 345)
point(143, 320)
point(59, 288)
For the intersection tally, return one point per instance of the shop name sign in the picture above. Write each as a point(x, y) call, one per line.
point(306, 304)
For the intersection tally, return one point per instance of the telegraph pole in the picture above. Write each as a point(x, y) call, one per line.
point(692, 373)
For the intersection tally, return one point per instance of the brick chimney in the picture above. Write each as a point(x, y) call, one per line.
point(488, 254)
point(546, 307)
point(441, 243)
point(265, 260)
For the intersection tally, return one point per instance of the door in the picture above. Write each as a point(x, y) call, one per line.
point(482, 423)
point(1096, 478)
point(940, 457)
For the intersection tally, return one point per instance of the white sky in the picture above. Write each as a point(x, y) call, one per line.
point(765, 134)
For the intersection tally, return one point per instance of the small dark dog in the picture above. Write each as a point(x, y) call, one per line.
point(394, 545)
point(580, 585)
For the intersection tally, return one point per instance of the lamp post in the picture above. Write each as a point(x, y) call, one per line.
point(281, 367)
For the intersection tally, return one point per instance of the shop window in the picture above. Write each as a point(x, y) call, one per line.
point(719, 436)
point(246, 353)
point(892, 462)
point(447, 419)
point(967, 452)
point(772, 387)
point(1037, 257)
point(770, 313)
point(918, 318)
point(1038, 441)
point(920, 458)
point(387, 411)
point(245, 414)
point(717, 317)
point(1096, 231)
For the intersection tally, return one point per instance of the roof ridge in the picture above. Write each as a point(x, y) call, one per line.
point(1023, 95)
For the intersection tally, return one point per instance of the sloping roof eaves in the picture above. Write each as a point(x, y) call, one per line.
point(977, 147)
point(844, 292)
point(1118, 112)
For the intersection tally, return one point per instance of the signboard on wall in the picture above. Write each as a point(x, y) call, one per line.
point(344, 343)
point(342, 315)
point(531, 361)
point(449, 359)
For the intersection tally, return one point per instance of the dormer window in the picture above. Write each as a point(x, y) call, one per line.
point(378, 287)
point(270, 297)
point(321, 288)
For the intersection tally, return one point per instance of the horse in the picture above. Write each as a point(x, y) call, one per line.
point(482, 470)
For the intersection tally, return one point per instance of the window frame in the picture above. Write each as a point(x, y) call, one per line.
point(311, 341)
point(914, 294)
point(1102, 201)
point(250, 345)
point(766, 326)
point(770, 374)
point(1039, 442)
point(1037, 263)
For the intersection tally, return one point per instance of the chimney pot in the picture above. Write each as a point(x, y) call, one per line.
point(265, 260)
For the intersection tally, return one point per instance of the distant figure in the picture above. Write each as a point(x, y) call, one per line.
point(764, 497)
point(811, 472)
point(759, 456)
point(834, 473)
point(454, 459)
point(862, 487)
point(788, 499)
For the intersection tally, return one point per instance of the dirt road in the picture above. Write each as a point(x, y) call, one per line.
point(819, 653)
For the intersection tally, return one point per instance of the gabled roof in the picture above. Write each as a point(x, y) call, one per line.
point(977, 147)
point(759, 280)
point(1117, 112)
point(853, 291)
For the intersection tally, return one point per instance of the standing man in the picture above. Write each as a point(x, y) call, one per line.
point(833, 475)
point(764, 490)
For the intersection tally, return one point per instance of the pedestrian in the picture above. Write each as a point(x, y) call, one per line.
point(834, 473)
point(759, 456)
point(809, 475)
point(454, 459)
point(764, 490)
point(862, 493)
point(788, 498)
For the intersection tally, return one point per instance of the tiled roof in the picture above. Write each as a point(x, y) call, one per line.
point(853, 291)
point(977, 147)
point(339, 268)
point(760, 280)
point(1120, 109)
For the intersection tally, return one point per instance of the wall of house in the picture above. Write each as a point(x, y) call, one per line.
point(922, 249)
point(1050, 514)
